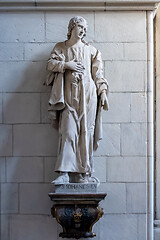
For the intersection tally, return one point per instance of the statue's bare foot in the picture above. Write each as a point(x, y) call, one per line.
point(80, 179)
point(91, 179)
point(64, 178)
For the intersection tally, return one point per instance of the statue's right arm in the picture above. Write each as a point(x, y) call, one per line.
point(57, 63)
point(74, 66)
point(55, 66)
point(56, 60)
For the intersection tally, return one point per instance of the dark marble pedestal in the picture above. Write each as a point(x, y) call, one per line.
point(77, 212)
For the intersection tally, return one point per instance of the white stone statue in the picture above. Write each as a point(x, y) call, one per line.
point(79, 92)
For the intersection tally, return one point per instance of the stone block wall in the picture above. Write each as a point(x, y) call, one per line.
point(28, 144)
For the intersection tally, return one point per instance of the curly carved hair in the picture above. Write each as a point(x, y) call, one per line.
point(72, 23)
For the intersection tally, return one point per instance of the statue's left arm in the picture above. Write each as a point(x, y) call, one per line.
point(100, 81)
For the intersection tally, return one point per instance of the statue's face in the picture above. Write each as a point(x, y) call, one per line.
point(79, 30)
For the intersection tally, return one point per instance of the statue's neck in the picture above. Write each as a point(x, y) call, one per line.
point(74, 42)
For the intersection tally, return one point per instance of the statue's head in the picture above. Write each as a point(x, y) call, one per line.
point(72, 23)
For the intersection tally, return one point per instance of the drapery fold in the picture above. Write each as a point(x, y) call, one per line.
point(75, 106)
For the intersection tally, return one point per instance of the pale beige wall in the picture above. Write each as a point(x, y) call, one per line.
point(29, 144)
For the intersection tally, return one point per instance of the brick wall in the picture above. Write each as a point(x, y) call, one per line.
point(28, 143)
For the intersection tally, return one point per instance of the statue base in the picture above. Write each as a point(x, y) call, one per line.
point(75, 187)
point(77, 212)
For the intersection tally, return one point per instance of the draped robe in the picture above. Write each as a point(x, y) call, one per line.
point(74, 103)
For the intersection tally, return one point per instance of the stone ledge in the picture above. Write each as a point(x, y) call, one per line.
point(157, 229)
point(80, 5)
point(76, 197)
point(157, 223)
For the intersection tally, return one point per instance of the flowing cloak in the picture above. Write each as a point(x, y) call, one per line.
point(74, 105)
